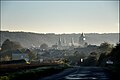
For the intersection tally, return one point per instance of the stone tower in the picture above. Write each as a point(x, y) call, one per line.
point(59, 42)
point(72, 42)
point(82, 39)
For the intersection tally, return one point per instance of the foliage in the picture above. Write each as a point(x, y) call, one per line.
point(114, 56)
point(115, 53)
point(105, 47)
point(44, 46)
point(31, 55)
point(10, 45)
point(33, 74)
point(75, 58)
point(4, 78)
point(91, 60)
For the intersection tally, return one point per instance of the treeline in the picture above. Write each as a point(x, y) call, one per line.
point(9, 47)
point(114, 61)
point(28, 39)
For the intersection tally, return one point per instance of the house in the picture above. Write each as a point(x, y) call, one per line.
point(17, 55)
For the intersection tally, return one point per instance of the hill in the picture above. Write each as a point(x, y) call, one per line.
point(27, 39)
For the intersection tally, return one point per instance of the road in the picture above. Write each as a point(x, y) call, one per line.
point(81, 73)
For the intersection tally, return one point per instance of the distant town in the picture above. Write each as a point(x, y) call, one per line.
point(59, 40)
point(64, 53)
point(72, 52)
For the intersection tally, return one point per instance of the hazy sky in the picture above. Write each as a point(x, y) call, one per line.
point(60, 16)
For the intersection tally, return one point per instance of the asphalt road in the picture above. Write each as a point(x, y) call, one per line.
point(81, 73)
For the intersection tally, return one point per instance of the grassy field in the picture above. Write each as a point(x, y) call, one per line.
point(29, 71)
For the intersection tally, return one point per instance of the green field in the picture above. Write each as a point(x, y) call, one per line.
point(30, 72)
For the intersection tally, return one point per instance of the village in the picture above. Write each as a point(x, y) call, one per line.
point(73, 52)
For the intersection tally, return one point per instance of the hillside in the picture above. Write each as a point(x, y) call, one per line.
point(27, 39)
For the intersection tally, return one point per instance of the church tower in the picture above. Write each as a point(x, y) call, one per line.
point(82, 39)
point(72, 42)
point(64, 42)
point(59, 42)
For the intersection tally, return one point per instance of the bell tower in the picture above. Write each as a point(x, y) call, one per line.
point(82, 39)
point(72, 42)
point(59, 41)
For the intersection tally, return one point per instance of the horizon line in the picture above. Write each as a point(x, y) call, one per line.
point(60, 32)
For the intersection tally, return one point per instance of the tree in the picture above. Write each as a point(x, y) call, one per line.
point(114, 56)
point(44, 46)
point(102, 59)
point(105, 48)
point(10, 45)
point(31, 54)
point(91, 59)
point(116, 52)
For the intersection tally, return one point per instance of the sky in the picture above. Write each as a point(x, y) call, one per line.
point(60, 16)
